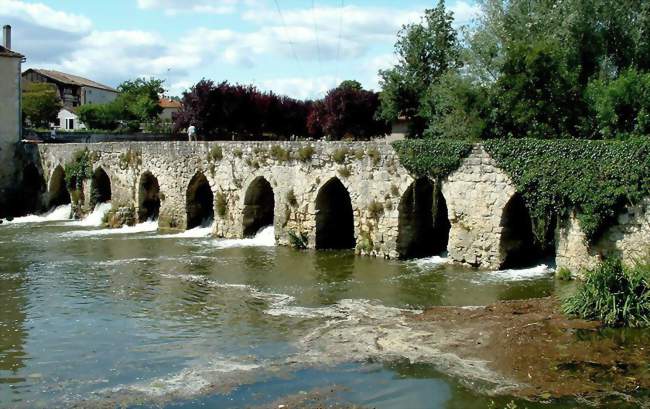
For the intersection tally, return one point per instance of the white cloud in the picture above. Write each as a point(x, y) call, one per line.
point(301, 88)
point(44, 16)
point(465, 12)
point(173, 7)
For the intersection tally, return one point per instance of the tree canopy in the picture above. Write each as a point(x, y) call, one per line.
point(41, 104)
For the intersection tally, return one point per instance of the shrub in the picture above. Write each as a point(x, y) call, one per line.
point(376, 209)
point(222, 204)
point(78, 169)
point(374, 155)
point(564, 274)
point(299, 240)
point(215, 154)
point(432, 157)
point(305, 153)
point(345, 172)
point(614, 294)
point(359, 154)
point(340, 155)
point(279, 153)
point(237, 152)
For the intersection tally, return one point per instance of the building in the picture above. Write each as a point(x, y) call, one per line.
point(73, 90)
point(68, 120)
point(169, 108)
point(10, 119)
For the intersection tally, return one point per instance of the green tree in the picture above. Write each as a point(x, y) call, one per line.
point(41, 104)
point(139, 99)
point(622, 106)
point(425, 51)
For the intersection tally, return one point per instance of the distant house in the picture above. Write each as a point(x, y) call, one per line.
point(169, 107)
point(73, 90)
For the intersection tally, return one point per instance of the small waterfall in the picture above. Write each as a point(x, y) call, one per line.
point(95, 218)
point(60, 213)
point(264, 238)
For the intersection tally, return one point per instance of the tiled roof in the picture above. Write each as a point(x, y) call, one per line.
point(169, 103)
point(70, 79)
point(8, 53)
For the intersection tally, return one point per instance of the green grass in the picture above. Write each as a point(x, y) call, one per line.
point(614, 294)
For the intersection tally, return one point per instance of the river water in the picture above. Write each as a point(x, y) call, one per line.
point(134, 317)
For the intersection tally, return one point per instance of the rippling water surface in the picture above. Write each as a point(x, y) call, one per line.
point(134, 317)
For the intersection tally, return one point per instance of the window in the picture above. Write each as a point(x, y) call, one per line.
point(69, 123)
point(57, 122)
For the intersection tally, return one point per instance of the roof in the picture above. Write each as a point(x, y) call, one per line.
point(70, 79)
point(170, 103)
point(4, 52)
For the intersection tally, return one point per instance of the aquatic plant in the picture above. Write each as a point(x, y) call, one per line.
point(615, 294)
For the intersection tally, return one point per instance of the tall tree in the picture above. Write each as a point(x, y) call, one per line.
point(425, 51)
point(41, 104)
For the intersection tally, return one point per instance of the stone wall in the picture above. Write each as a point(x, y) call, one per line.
point(477, 195)
point(628, 239)
point(10, 118)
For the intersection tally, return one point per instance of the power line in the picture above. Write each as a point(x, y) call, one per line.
point(286, 31)
point(338, 47)
point(313, 14)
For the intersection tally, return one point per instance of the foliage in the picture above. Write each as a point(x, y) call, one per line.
point(347, 112)
point(137, 103)
point(340, 155)
point(435, 158)
point(215, 154)
point(621, 106)
point(130, 158)
point(425, 51)
point(221, 204)
point(456, 108)
point(223, 111)
point(614, 294)
point(279, 153)
point(78, 169)
point(594, 178)
point(305, 153)
point(535, 96)
point(564, 274)
point(298, 240)
point(374, 155)
point(41, 104)
point(375, 209)
point(345, 172)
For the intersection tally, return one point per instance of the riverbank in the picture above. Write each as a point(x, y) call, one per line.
point(547, 355)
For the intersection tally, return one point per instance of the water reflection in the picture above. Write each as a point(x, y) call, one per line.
point(13, 314)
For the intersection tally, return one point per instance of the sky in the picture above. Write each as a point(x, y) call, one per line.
point(299, 48)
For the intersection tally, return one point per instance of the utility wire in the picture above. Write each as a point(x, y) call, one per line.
point(286, 31)
point(313, 14)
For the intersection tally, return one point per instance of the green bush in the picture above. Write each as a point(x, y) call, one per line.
point(431, 157)
point(374, 155)
point(597, 179)
point(345, 172)
point(376, 209)
point(279, 153)
point(305, 153)
point(298, 241)
point(78, 169)
point(215, 154)
point(222, 204)
point(291, 198)
point(340, 155)
point(614, 294)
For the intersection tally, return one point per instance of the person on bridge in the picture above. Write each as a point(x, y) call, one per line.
point(191, 133)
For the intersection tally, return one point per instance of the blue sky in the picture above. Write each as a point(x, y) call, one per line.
point(299, 48)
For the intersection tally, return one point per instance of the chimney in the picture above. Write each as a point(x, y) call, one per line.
point(6, 37)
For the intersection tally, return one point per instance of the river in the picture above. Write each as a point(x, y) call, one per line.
point(95, 317)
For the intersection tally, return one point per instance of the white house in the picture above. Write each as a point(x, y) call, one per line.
point(68, 120)
point(169, 108)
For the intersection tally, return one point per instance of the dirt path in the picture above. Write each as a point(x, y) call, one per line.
point(547, 354)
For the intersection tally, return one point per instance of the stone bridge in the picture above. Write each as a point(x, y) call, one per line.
point(322, 195)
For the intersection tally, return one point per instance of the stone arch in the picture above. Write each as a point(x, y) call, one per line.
point(517, 246)
point(334, 217)
point(58, 193)
point(100, 187)
point(259, 205)
point(148, 197)
point(199, 202)
point(423, 224)
point(33, 187)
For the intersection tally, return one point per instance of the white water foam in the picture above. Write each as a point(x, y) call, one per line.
point(95, 218)
point(517, 274)
point(59, 213)
point(148, 226)
point(195, 233)
point(430, 261)
point(264, 238)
